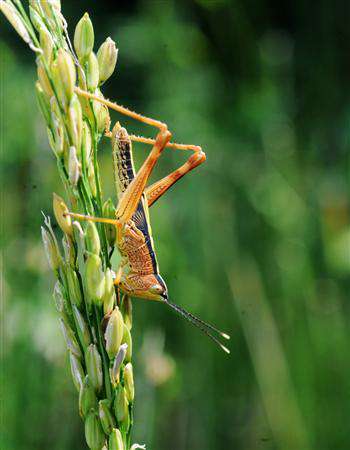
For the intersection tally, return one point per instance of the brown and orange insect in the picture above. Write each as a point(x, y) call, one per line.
point(138, 274)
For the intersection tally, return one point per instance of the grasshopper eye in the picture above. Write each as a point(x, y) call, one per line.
point(156, 289)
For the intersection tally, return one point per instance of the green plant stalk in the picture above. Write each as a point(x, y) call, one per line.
point(99, 201)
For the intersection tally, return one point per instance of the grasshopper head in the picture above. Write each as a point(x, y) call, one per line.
point(149, 287)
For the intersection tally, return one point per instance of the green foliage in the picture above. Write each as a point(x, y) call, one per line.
point(256, 240)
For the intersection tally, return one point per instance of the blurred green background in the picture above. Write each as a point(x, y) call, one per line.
point(257, 240)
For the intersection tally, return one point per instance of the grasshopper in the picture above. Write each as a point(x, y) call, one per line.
point(138, 274)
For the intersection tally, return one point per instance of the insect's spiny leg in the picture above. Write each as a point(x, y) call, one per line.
point(157, 189)
point(92, 218)
point(151, 141)
point(121, 109)
point(174, 145)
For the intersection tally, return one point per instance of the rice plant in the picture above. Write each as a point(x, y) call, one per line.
point(95, 319)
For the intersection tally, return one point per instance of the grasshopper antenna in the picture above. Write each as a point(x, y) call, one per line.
point(201, 322)
point(201, 325)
